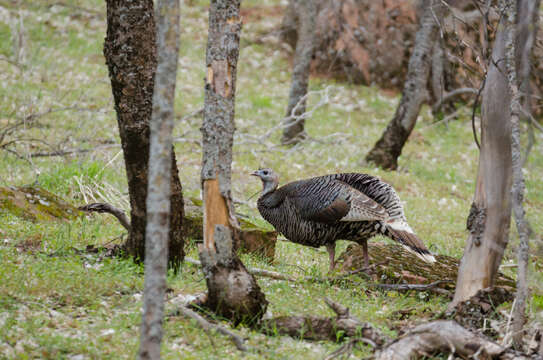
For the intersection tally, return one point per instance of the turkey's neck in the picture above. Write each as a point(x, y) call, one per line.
point(269, 187)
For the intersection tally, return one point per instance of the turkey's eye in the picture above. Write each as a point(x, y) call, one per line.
point(265, 172)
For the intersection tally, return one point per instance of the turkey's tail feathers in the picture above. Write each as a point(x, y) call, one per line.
point(402, 233)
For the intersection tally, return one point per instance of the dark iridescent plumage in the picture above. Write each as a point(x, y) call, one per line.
point(348, 206)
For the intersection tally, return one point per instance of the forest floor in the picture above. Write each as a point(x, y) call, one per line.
point(57, 302)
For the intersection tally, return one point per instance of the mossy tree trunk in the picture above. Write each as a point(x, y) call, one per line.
point(388, 148)
point(130, 52)
point(159, 191)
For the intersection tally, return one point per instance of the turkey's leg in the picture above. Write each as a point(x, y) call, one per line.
point(366, 256)
point(331, 248)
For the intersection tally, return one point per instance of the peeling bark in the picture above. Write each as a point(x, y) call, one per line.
point(159, 190)
point(130, 52)
point(388, 148)
point(306, 13)
point(218, 127)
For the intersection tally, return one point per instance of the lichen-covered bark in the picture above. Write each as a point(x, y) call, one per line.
point(491, 209)
point(159, 190)
point(218, 127)
point(519, 40)
point(130, 52)
point(388, 148)
point(306, 12)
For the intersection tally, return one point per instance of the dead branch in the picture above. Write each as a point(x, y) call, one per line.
point(107, 208)
point(417, 287)
point(451, 95)
point(207, 326)
point(440, 336)
point(316, 328)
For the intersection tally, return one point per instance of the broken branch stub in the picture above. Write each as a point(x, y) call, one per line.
point(232, 291)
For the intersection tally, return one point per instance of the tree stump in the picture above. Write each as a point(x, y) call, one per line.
point(232, 291)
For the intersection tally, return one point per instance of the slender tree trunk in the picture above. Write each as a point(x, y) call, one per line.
point(218, 127)
point(130, 52)
point(232, 291)
point(306, 13)
point(159, 191)
point(490, 214)
point(519, 40)
point(388, 148)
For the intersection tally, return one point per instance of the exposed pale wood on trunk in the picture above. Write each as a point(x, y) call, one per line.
point(130, 53)
point(490, 214)
point(218, 127)
point(215, 211)
point(388, 148)
point(159, 190)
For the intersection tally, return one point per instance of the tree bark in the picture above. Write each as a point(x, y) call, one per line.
point(388, 148)
point(232, 291)
point(159, 191)
point(293, 131)
point(218, 127)
point(519, 40)
point(130, 52)
point(490, 214)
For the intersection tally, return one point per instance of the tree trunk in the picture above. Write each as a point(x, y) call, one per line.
point(232, 291)
point(159, 191)
point(218, 127)
point(130, 52)
point(490, 214)
point(306, 13)
point(386, 151)
point(519, 42)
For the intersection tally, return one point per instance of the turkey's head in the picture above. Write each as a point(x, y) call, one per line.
point(270, 180)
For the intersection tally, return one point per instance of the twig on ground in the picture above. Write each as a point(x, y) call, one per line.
point(418, 287)
point(207, 326)
point(107, 208)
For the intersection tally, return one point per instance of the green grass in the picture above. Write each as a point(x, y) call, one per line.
point(56, 302)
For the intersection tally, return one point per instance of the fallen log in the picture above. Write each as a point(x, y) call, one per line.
point(250, 239)
point(398, 266)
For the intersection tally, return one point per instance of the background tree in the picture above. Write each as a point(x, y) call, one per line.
point(388, 148)
point(305, 14)
point(232, 291)
point(159, 191)
point(130, 52)
point(521, 28)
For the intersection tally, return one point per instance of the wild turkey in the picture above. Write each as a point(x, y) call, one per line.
point(348, 206)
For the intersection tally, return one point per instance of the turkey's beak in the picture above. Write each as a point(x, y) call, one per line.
point(255, 173)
